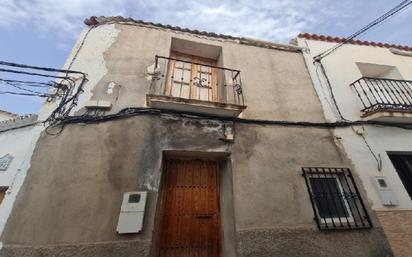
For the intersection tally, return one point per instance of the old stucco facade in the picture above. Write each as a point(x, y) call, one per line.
point(70, 201)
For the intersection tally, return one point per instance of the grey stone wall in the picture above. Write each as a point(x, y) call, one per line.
point(298, 242)
point(135, 248)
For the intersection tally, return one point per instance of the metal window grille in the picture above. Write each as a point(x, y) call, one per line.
point(403, 166)
point(335, 199)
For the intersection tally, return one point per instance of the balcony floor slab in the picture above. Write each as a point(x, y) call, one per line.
point(194, 106)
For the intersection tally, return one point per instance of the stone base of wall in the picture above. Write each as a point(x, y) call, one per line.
point(107, 249)
point(256, 243)
point(310, 242)
point(397, 225)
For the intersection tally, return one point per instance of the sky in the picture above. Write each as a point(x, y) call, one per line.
point(42, 32)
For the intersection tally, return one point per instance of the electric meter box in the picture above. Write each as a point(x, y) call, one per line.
point(132, 212)
point(385, 192)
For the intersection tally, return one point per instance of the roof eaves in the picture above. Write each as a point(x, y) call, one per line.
point(353, 42)
point(96, 21)
point(9, 113)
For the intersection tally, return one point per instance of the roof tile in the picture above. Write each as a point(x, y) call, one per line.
point(354, 42)
point(96, 21)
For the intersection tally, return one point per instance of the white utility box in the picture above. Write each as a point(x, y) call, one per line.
point(385, 192)
point(132, 212)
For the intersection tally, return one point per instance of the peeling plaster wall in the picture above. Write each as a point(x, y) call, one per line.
point(88, 57)
point(73, 193)
point(130, 50)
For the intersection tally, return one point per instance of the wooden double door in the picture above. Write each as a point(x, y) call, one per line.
point(192, 77)
point(190, 218)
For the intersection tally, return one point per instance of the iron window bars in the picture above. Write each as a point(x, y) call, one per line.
point(335, 199)
point(174, 78)
point(378, 94)
point(403, 166)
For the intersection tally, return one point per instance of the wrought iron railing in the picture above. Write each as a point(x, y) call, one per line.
point(378, 94)
point(196, 81)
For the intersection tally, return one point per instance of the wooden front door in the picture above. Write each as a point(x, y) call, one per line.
point(192, 77)
point(190, 222)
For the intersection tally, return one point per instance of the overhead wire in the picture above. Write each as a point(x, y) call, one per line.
point(137, 111)
point(318, 62)
point(63, 89)
point(404, 4)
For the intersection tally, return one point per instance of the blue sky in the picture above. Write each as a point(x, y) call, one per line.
point(42, 32)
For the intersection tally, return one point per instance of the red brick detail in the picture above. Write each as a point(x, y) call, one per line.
point(397, 226)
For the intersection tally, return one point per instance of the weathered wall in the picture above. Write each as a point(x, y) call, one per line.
point(299, 242)
point(68, 199)
point(272, 208)
point(73, 192)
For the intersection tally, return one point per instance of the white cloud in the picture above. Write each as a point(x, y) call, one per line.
point(273, 20)
point(278, 20)
point(63, 18)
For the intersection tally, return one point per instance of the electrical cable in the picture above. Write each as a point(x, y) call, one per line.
point(64, 87)
point(363, 30)
point(27, 83)
point(318, 60)
point(18, 65)
point(376, 157)
point(332, 94)
point(130, 112)
point(80, 47)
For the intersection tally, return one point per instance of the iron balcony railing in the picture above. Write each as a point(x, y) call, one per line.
point(378, 94)
point(196, 81)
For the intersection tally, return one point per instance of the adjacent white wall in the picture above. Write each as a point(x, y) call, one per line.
point(342, 70)
point(20, 144)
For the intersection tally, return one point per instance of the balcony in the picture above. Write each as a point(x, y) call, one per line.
point(188, 86)
point(385, 99)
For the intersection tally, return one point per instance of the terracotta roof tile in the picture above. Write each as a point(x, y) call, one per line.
point(96, 21)
point(9, 113)
point(354, 42)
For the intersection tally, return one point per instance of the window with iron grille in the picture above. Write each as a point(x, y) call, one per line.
point(335, 199)
point(403, 165)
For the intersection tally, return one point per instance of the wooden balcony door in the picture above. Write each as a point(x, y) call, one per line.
point(190, 220)
point(191, 77)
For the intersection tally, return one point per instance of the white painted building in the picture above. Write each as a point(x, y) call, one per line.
point(18, 137)
point(371, 81)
